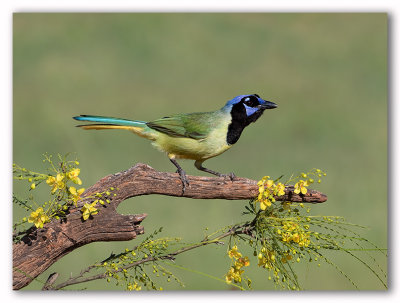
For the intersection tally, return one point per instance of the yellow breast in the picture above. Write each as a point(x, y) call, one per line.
point(187, 148)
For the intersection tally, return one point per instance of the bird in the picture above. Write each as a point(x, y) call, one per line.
point(195, 136)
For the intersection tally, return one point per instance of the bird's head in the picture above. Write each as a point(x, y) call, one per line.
point(246, 109)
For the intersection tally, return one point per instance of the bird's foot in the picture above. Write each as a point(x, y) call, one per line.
point(184, 179)
point(199, 166)
point(231, 176)
point(182, 174)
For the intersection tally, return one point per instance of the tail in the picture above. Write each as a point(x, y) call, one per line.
point(138, 127)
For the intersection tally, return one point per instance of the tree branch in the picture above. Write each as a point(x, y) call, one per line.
point(40, 248)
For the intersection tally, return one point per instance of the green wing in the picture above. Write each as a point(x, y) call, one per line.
point(196, 126)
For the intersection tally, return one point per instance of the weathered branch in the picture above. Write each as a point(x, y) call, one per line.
point(42, 247)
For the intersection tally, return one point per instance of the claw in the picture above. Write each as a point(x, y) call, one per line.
point(184, 179)
point(182, 175)
point(231, 176)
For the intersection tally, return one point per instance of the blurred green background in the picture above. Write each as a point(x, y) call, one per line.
point(327, 73)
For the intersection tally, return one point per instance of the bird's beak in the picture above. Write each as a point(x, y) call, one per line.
point(268, 105)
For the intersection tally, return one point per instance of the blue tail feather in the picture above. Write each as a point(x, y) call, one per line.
point(109, 120)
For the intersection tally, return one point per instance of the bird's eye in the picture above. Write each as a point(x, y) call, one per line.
point(251, 101)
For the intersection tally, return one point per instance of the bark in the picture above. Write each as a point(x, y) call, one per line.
point(40, 248)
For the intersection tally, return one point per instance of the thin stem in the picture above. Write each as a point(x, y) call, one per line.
point(171, 256)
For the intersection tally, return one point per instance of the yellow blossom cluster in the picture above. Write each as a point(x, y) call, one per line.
point(63, 195)
point(266, 258)
point(38, 217)
point(293, 232)
point(268, 189)
point(233, 253)
point(235, 272)
point(301, 185)
point(59, 182)
point(56, 182)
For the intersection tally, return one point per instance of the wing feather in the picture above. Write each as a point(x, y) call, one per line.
point(196, 126)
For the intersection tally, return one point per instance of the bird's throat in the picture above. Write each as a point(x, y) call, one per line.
point(239, 121)
point(234, 131)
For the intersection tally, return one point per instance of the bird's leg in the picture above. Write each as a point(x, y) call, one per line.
point(182, 175)
point(199, 166)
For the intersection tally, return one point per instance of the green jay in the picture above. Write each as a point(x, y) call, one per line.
point(195, 136)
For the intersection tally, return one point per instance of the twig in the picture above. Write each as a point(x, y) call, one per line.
point(242, 229)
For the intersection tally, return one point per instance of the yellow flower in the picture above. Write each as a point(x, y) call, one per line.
point(89, 209)
point(56, 182)
point(229, 275)
point(296, 237)
point(242, 262)
point(264, 203)
point(266, 258)
point(233, 253)
point(286, 237)
point(262, 261)
point(269, 183)
point(33, 186)
point(235, 275)
point(290, 225)
point(73, 175)
point(38, 217)
point(280, 188)
point(76, 194)
point(304, 240)
point(267, 190)
point(238, 276)
point(262, 181)
point(301, 186)
point(235, 272)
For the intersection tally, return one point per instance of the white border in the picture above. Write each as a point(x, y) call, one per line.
point(7, 8)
